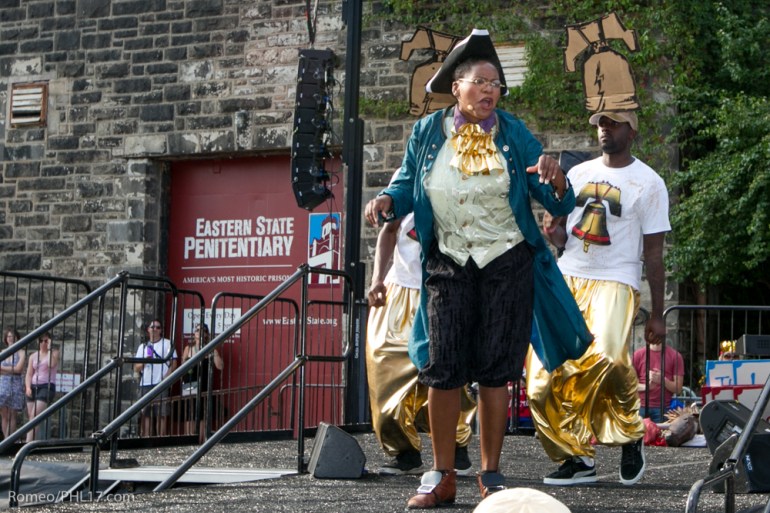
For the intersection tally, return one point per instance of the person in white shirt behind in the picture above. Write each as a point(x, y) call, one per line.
point(151, 374)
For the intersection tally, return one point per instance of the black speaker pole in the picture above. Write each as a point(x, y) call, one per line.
point(356, 406)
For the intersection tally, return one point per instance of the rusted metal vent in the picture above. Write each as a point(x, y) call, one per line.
point(513, 58)
point(28, 104)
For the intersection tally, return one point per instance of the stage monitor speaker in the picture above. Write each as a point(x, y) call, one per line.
point(721, 419)
point(755, 345)
point(335, 454)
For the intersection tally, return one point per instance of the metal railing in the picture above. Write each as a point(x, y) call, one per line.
point(727, 472)
point(294, 370)
point(699, 331)
point(110, 312)
point(29, 300)
point(298, 364)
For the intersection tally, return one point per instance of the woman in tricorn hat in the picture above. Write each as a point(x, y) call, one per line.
point(489, 279)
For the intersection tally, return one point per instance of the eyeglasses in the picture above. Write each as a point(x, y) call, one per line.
point(154, 326)
point(482, 82)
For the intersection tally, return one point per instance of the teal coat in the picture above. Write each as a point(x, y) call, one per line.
point(559, 331)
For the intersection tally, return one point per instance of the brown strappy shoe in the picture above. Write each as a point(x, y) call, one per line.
point(490, 481)
point(437, 487)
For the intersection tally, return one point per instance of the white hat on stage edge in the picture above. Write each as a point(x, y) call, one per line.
point(520, 500)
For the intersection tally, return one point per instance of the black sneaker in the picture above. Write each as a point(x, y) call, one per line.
point(632, 463)
point(407, 462)
point(462, 461)
point(573, 471)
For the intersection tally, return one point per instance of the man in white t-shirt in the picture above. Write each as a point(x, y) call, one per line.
point(620, 219)
point(151, 374)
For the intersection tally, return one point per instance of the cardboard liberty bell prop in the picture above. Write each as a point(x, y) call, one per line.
point(607, 79)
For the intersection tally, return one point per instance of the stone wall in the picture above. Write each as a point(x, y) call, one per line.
point(134, 84)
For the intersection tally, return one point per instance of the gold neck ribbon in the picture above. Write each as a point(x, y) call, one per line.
point(475, 152)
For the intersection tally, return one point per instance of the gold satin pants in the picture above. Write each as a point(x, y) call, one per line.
point(398, 401)
point(595, 396)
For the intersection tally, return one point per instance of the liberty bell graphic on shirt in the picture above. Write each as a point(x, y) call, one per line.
point(592, 228)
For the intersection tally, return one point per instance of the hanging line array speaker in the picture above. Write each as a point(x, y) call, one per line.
point(310, 136)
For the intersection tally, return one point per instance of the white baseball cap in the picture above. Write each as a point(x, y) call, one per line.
point(619, 116)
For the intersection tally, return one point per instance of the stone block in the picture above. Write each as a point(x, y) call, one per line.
point(156, 113)
point(20, 262)
point(133, 85)
point(137, 145)
point(39, 46)
point(24, 67)
point(201, 8)
point(65, 8)
point(6, 232)
point(183, 144)
point(145, 57)
point(40, 10)
point(104, 56)
point(9, 48)
point(91, 189)
point(58, 248)
point(112, 70)
point(94, 41)
point(15, 207)
point(163, 68)
point(22, 169)
point(43, 233)
point(196, 71)
point(215, 142)
point(63, 143)
point(175, 54)
point(93, 206)
point(176, 92)
point(237, 104)
point(119, 232)
point(67, 40)
point(11, 246)
point(93, 8)
point(76, 223)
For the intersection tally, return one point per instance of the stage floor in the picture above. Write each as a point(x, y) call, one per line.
point(670, 474)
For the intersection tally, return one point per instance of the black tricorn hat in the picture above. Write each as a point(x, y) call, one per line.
point(476, 46)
